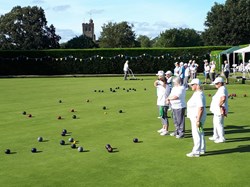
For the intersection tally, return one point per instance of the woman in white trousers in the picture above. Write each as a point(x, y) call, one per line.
point(219, 107)
point(196, 112)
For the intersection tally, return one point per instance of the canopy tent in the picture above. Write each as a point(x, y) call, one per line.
point(243, 51)
point(228, 52)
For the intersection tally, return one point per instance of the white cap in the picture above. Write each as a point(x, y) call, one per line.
point(168, 73)
point(218, 79)
point(160, 73)
point(195, 81)
point(181, 63)
point(185, 64)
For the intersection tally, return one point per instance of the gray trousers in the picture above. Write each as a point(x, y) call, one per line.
point(179, 121)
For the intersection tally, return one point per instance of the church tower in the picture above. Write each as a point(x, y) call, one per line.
point(88, 29)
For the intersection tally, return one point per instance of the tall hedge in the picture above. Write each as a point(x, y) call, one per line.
point(99, 61)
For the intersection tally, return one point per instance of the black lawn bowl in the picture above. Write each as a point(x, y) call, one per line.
point(62, 142)
point(94, 90)
point(104, 108)
point(135, 140)
point(87, 100)
point(33, 150)
point(71, 139)
point(74, 116)
point(111, 89)
point(64, 131)
point(110, 149)
point(59, 117)
point(114, 91)
point(30, 116)
point(7, 151)
point(60, 101)
point(127, 90)
point(107, 146)
point(72, 110)
point(120, 111)
point(80, 149)
point(73, 146)
point(63, 134)
point(102, 91)
point(124, 88)
point(24, 113)
point(145, 89)
point(40, 139)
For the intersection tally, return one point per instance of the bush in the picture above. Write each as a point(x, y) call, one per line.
point(99, 61)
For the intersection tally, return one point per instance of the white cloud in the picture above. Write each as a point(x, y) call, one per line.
point(38, 2)
point(61, 8)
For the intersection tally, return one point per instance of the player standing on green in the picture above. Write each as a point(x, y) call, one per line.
point(196, 112)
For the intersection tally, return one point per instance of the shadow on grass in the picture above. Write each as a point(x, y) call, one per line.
point(239, 149)
point(86, 151)
point(232, 129)
point(45, 141)
point(229, 129)
point(14, 152)
point(37, 152)
point(242, 139)
point(115, 150)
point(139, 141)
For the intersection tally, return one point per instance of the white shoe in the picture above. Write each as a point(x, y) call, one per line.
point(173, 134)
point(212, 138)
point(202, 152)
point(164, 133)
point(160, 131)
point(192, 155)
point(178, 136)
point(219, 141)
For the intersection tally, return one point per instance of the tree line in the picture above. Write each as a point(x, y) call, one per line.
point(25, 28)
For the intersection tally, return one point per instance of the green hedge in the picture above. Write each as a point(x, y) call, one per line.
point(99, 61)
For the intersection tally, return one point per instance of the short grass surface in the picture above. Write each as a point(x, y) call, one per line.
point(154, 161)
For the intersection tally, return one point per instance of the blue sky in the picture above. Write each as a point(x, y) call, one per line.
point(149, 17)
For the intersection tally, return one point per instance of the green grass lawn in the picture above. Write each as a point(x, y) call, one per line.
point(155, 161)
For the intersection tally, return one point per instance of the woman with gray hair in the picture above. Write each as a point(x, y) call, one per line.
point(178, 105)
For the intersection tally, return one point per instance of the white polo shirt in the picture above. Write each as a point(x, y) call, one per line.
point(180, 92)
point(215, 107)
point(197, 101)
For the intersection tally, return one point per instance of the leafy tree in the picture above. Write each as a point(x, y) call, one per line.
point(144, 41)
point(228, 24)
point(26, 28)
point(117, 35)
point(178, 38)
point(80, 42)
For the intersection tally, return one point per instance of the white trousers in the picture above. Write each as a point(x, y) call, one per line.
point(198, 138)
point(218, 130)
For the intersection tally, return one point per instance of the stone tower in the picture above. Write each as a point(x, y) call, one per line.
point(88, 29)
